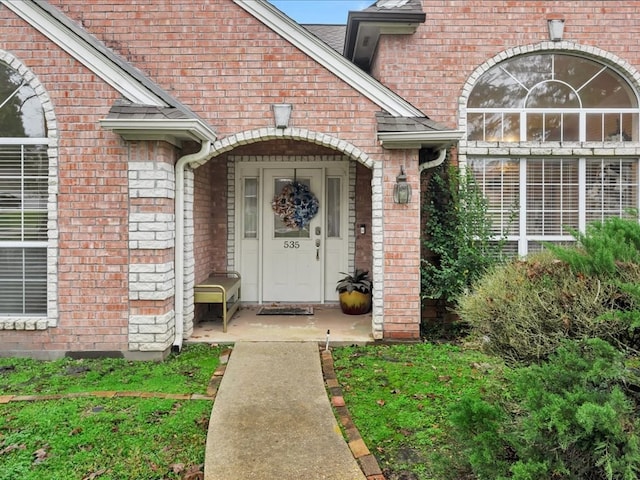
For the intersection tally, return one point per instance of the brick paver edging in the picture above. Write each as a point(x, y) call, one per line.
point(368, 463)
point(212, 390)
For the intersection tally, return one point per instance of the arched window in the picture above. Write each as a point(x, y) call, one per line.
point(24, 178)
point(552, 101)
point(552, 97)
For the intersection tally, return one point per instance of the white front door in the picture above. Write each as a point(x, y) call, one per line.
point(292, 251)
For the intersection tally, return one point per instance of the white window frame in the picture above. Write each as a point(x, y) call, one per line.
point(50, 318)
point(522, 237)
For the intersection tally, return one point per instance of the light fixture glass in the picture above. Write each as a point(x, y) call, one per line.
point(556, 29)
point(282, 114)
point(401, 190)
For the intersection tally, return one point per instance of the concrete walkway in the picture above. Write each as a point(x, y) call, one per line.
point(272, 419)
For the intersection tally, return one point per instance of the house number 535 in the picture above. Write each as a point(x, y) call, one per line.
point(291, 244)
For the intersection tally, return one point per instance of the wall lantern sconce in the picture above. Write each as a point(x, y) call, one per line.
point(401, 190)
point(556, 29)
point(282, 114)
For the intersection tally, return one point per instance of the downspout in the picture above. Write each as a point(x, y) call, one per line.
point(179, 240)
point(434, 163)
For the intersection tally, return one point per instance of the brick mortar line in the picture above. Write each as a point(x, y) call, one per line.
point(367, 462)
point(212, 390)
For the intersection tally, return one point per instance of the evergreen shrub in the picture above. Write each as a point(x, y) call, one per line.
point(572, 417)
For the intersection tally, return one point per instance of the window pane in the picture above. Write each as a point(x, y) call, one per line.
point(552, 196)
point(23, 281)
point(497, 89)
point(23, 192)
point(529, 70)
point(475, 126)
point(493, 127)
point(575, 71)
point(499, 181)
point(535, 127)
point(282, 230)
point(552, 95)
point(594, 127)
point(511, 127)
point(333, 207)
point(570, 127)
point(21, 113)
point(611, 189)
point(250, 208)
point(607, 90)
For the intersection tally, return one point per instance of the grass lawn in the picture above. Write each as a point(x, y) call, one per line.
point(400, 396)
point(105, 438)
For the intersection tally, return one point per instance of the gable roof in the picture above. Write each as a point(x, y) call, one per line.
point(149, 108)
point(130, 82)
point(332, 35)
point(326, 56)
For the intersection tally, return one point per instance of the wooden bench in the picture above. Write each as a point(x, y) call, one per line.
point(223, 289)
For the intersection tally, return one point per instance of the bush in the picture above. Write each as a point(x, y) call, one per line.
point(569, 419)
point(525, 309)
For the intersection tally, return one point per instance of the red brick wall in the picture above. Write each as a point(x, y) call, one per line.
point(210, 217)
point(363, 258)
point(229, 68)
point(92, 202)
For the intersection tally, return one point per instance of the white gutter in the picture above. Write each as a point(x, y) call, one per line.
point(192, 129)
point(419, 139)
point(204, 152)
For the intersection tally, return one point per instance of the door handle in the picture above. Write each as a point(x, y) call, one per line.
point(317, 242)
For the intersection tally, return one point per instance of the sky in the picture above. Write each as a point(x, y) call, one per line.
point(320, 11)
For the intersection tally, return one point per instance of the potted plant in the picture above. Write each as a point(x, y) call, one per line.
point(355, 292)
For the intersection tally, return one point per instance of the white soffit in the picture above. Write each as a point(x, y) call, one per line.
point(95, 61)
point(329, 58)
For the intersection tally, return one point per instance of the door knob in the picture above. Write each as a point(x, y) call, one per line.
point(317, 242)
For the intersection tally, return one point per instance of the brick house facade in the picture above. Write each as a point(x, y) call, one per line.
point(149, 108)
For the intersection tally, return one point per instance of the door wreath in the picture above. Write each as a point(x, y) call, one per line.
point(296, 205)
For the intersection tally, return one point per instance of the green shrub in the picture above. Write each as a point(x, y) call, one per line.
point(610, 249)
point(569, 418)
point(458, 236)
point(523, 310)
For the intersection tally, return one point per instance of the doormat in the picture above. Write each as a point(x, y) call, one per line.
point(285, 311)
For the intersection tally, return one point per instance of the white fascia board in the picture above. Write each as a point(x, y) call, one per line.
point(329, 58)
point(184, 129)
point(104, 68)
point(416, 140)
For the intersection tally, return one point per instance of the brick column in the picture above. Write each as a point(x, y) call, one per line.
point(401, 251)
point(151, 244)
